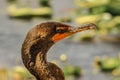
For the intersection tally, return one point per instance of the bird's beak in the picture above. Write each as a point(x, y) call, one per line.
point(82, 28)
point(73, 30)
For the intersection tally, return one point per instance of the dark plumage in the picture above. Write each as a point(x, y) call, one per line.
point(38, 41)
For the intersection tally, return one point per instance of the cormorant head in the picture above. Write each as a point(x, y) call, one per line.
point(55, 31)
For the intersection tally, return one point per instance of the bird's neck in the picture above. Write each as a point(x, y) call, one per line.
point(34, 56)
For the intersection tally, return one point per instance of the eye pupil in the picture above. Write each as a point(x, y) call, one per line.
point(59, 30)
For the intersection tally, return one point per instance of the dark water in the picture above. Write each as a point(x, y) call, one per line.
point(12, 34)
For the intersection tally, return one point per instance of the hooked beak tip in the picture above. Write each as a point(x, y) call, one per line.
point(92, 26)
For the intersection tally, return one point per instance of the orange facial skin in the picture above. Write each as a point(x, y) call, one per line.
point(59, 36)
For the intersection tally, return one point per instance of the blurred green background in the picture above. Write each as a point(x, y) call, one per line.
point(89, 55)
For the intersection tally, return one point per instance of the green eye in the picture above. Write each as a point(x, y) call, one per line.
point(59, 30)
